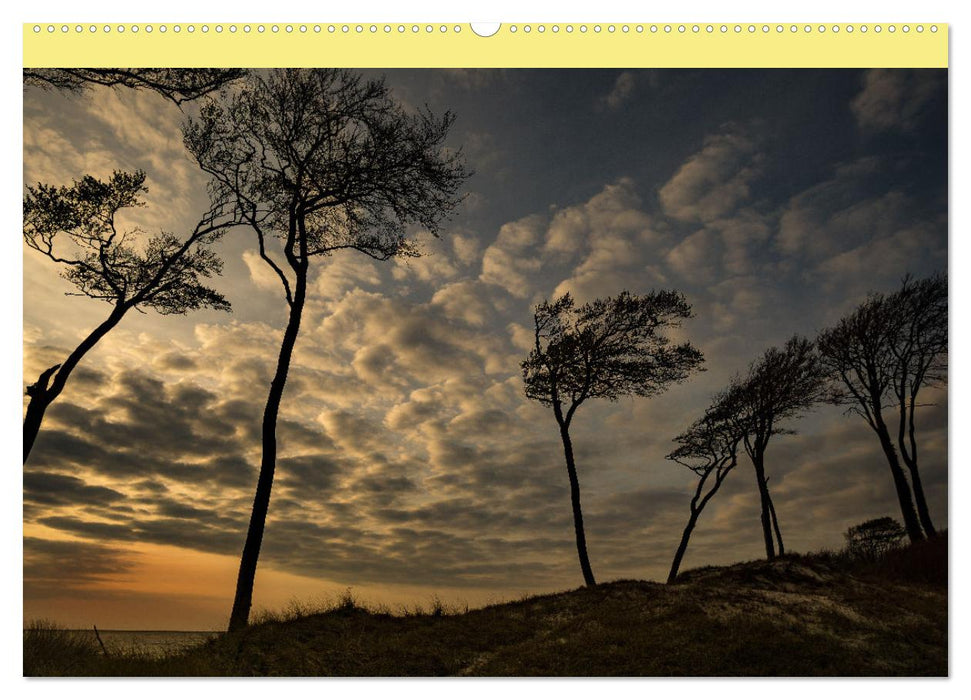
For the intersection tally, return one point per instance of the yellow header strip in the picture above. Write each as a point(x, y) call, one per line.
point(397, 45)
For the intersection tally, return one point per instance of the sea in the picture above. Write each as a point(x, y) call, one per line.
point(150, 642)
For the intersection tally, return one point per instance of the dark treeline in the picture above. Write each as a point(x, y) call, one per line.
point(874, 361)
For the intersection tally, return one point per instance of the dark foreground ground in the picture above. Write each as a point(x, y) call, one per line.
point(819, 615)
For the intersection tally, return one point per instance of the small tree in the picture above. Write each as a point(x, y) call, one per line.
point(881, 355)
point(177, 85)
point(709, 448)
point(603, 350)
point(322, 161)
point(873, 538)
point(781, 384)
point(76, 227)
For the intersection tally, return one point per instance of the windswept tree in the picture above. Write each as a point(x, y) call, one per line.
point(780, 385)
point(605, 349)
point(709, 448)
point(76, 227)
point(880, 356)
point(319, 161)
point(177, 85)
point(920, 359)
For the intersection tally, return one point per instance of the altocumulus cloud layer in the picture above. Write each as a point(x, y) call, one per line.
point(408, 454)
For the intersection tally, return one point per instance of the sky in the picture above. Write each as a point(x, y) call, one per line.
point(411, 464)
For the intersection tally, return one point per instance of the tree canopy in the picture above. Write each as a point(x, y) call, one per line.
point(710, 443)
point(177, 85)
point(607, 348)
point(76, 226)
point(327, 161)
point(780, 384)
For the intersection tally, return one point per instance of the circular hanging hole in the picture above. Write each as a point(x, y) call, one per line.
point(484, 29)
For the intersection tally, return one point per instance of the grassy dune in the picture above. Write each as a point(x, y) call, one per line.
point(816, 615)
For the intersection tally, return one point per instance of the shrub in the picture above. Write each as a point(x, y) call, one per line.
point(874, 538)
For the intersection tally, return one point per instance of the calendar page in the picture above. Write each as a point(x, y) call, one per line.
point(504, 350)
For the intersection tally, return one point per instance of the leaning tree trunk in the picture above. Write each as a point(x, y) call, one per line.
point(911, 523)
point(775, 525)
point(51, 382)
point(683, 545)
point(908, 451)
point(920, 501)
point(40, 399)
point(571, 469)
point(695, 507)
point(766, 502)
point(243, 601)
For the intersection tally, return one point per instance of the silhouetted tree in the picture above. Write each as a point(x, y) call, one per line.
point(76, 227)
point(709, 448)
point(920, 358)
point(603, 350)
point(175, 84)
point(781, 384)
point(322, 161)
point(872, 538)
point(880, 355)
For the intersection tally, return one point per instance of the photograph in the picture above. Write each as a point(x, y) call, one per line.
point(512, 372)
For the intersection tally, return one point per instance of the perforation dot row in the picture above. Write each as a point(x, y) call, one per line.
point(723, 28)
point(246, 28)
point(514, 28)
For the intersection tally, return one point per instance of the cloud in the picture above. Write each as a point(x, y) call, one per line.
point(45, 562)
point(696, 256)
point(816, 221)
point(833, 231)
point(260, 273)
point(621, 91)
point(611, 238)
point(470, 301)
point(52, 489)
point(512, 261)
point(715, 180)
point(436, 264)
point(473, 78)
point(895, 99)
